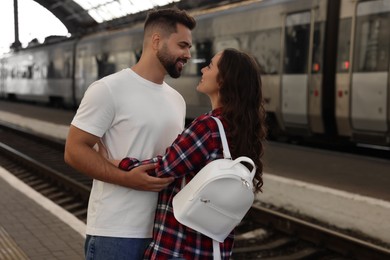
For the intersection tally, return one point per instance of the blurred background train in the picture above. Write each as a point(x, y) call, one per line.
point(325, 64)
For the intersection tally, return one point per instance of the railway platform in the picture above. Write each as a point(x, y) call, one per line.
point(33, 227)
point(346, 191)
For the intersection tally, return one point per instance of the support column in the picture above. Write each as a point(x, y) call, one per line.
point(16, 45)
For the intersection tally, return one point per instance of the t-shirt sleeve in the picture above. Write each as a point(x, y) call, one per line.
point(96, 111)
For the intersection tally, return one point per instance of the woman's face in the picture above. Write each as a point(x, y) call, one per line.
point(208, 83)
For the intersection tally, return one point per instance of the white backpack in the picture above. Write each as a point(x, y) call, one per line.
point(218, 197)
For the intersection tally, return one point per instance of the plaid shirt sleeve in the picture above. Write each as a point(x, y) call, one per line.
point(189, 152)
point(129, 163)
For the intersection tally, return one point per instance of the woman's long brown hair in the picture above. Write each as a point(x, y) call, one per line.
point(242, 107)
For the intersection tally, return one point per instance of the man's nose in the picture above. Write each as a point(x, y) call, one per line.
point(187, 54)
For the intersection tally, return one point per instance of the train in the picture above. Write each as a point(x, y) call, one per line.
point(325, 64)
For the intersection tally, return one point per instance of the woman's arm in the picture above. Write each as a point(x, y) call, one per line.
point(191, 150)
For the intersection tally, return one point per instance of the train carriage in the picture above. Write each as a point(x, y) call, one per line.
point(41, 73)
point(362, 78)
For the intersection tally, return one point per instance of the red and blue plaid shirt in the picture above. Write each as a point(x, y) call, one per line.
point(198, 145)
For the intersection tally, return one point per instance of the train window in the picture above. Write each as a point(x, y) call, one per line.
point(14, 72)
point(59, 66)
point(265, 46)
point(296, 46)
point(29, 71)
point(344, 45)
point(105, 64)
point(203, 54)
point(200, 57)
point(37, 73)
point(372, 39)
point(51, 72)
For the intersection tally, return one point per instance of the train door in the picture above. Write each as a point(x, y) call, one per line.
point(294, 100)
point(370, 75)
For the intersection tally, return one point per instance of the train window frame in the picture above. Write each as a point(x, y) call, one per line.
point(371, 49)
point(296, 22)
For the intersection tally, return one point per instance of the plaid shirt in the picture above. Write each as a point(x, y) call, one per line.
point(199, 144)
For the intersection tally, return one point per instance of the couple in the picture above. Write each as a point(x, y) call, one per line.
point(137, 115)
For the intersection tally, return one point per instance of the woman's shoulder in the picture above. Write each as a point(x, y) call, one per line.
point(206, 120)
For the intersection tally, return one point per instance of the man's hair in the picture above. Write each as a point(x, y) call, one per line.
point(166, 20)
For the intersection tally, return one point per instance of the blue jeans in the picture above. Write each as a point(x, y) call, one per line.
point(115, 248)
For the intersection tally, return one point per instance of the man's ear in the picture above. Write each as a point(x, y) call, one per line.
point(156, 38)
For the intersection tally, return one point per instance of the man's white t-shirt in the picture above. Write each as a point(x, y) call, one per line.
point(134, 118)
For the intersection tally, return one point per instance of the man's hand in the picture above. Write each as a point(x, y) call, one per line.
point(91, 163)
point(139, 179)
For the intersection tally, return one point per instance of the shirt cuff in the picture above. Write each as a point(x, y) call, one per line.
point(127, 164)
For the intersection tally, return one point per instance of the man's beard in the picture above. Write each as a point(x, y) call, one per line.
point(167, 61)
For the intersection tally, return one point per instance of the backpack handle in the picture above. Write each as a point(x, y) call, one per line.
point(244, 159)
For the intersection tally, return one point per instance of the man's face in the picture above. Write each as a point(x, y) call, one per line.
point(175, 51)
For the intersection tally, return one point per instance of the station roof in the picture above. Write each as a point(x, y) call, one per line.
point(80, 16)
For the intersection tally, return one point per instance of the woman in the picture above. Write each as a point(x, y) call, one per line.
point(232, 82)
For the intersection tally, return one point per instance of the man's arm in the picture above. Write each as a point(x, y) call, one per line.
point(79, 154)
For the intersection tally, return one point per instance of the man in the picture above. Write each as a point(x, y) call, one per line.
point(134, 113)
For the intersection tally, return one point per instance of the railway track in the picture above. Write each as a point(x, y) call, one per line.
point(264, 233)
point(38, 161)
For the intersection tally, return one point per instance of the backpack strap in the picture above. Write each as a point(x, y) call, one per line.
point(226, 155)
point(216, 250)
point(226, 151)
